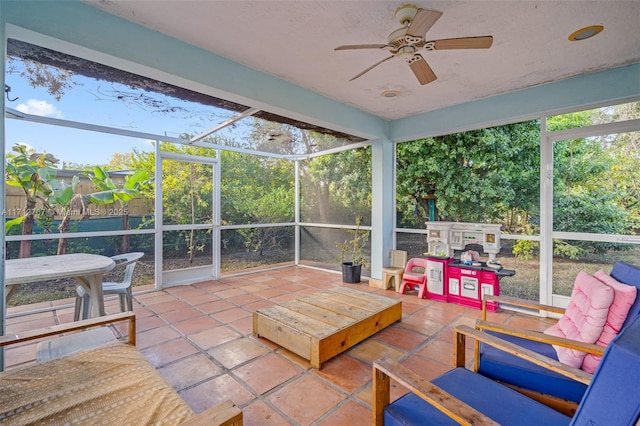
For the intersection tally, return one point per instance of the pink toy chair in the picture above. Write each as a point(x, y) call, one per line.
point(415, 279)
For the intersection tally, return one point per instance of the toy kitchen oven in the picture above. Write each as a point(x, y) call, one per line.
point(464, 283)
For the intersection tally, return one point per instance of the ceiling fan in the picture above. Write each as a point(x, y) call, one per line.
point(407, 40)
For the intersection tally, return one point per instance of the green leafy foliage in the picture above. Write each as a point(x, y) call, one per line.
point(33, 173)
point(72, 204)
point(525, 249)
point(595, 185)
point(487, 175)
point(30, 171)
point(61, 192)
point(257, 190)
point(187, 194)
point(334, 187)
point(109, 192)
point(492, 175)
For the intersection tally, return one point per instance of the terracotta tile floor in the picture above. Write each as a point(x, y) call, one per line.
point(199, 337)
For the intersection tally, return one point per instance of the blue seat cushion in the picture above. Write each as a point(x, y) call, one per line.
point(498, 402)
point(613, 397)
point(499, 365)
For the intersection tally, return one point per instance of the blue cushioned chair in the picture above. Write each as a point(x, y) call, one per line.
point(462, 396)
point(547, 386)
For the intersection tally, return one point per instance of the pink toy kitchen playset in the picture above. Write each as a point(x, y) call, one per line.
point(463, 281)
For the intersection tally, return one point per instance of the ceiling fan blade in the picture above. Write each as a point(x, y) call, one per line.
point(361, 46)
point(421, 69)
point(372, 67)
point(424, 19)
point(483, 42)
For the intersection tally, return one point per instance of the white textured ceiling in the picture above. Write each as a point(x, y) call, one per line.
point(295, 41)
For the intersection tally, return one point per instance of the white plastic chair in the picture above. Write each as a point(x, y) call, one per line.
point(122, 289)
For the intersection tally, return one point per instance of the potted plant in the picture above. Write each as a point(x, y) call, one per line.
point(352, 253)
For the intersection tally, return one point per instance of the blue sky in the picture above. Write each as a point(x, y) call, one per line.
point(102, 103)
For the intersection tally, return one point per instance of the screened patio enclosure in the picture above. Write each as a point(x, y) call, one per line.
point(188, 217)
point(304, 230)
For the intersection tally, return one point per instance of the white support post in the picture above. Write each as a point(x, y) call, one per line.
point(383, 203)
point(216, 216)
point(3, 294)
point(297, 213)
point(158, 224)
point(546, 214)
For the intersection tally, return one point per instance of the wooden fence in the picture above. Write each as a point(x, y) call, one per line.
point(15, 201)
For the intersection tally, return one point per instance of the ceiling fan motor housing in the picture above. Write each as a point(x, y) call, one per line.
point(399, 41)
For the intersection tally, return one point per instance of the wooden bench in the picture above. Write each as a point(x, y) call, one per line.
point(322, 325)
point(109, 384)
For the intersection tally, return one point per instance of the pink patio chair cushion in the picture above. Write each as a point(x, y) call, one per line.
point(623, 297)
point(584, 318)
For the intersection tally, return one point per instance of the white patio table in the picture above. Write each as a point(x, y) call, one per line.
point(87, 269)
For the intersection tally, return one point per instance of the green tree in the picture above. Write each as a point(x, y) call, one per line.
point(333, 185)
point(68, 203)
point(187, 189)
point(623, 176)
point(595, 181)
point(32, 172)
point(120, 161)
point(337, 186)
point(484, 175)
point(585, 199)
point(109, 193)
point(256, 190)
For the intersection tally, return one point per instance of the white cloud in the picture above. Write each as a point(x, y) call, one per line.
point(41, 108)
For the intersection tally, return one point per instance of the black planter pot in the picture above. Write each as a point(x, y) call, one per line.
point(351, 273)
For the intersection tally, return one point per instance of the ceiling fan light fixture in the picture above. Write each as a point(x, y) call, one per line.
point(389, 94)
point(586, 32)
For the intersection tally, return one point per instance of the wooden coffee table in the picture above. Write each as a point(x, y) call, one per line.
point(322, 325)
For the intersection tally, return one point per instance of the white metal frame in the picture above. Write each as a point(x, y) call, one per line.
point(186, 275)
point(190, 275)
point(547, 234)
